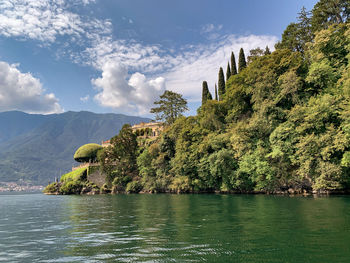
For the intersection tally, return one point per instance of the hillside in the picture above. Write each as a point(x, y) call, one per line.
point(38, 148)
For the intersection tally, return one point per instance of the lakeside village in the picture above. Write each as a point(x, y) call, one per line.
point(19, 187)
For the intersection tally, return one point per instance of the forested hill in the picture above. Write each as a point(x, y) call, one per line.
point(38, 148)
point(280, 122)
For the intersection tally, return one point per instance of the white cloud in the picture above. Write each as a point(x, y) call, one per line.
point(45, 20)
point(21, 91)
point(183, 70)
point(183, 73)
point(203, 63)
point(85, 98)
point(135, 95)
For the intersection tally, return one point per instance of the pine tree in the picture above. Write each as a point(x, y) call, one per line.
point(267, 51)
point(241, 61)
point(233, 64)
point(221, 84)
point(216, 93)
point(228, 71)
point(205, 93)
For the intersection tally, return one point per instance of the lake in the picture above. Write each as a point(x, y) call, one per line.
point(174, 228)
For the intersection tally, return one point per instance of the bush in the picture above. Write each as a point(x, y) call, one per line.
point(51, 188)
point(76, 175)
point(71, 187)
point(134, 187)
point(180, 184)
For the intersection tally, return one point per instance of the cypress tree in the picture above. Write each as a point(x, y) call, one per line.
point(228, 71)
point(233, 64)
point(241, 61)
point(210, 97)
point(216, 92)
point(221, 84)
point(205, 93)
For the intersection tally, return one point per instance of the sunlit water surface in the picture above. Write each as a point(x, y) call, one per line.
point(174, 228)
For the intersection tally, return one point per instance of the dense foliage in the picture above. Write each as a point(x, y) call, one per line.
point(87, 153)
point(171, 106)
point(281, 124)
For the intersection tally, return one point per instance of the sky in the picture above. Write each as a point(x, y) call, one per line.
point(120, 55)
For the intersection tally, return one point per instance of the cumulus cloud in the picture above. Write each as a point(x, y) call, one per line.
point(45, 20)
point(119, 87)
point(182, 73)
point(21, 91)
point(135, 94)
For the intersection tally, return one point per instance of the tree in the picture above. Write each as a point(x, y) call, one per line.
point(119, 159)
point(87, 153)
point(254, 53)
point(216, 92)
point(228, 71)
point(296, 35)
point(267, 51)
point(233, 64)
point(221, 84)
point(205, 93)
point(241, 61)
point(327, 12)
point(171, 106)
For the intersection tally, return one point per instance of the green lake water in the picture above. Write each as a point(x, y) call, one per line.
point(174, 228)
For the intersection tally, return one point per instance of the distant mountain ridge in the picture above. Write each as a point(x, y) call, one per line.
point(38, 148)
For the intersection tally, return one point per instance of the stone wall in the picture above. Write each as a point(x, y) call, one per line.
point(96, 176)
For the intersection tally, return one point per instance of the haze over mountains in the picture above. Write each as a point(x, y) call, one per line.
point(38, 148)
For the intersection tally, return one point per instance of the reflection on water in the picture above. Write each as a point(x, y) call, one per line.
point(174, 228)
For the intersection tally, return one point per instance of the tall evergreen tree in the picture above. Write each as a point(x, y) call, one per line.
point(233, 64)
point(267, 51)
point(241, 60)
point(216, 92)
point(205, 93)
point(228, 71)
point(221, 83)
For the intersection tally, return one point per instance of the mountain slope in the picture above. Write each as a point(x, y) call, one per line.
point(38, 148)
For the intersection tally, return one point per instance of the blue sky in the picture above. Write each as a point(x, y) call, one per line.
point(120, 55)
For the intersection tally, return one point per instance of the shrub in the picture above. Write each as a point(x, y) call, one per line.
point(180, 184)
point(51, 188)
point(134, 187)
point(71, 187)
point(76, 175)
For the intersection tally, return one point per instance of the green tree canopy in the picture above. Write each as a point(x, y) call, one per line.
point(221, 84)
point(205, 93)
point(233, 64)
point(171, 106)
point(241, 60)
point(119, 159)
point(228, 71)
point(327, 12)
point(87, 153)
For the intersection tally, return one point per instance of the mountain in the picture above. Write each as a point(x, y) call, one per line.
point(38, 148)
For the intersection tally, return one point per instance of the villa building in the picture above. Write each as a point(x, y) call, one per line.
point(150, 129)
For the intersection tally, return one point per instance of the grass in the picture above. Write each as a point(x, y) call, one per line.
point(75, 175)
